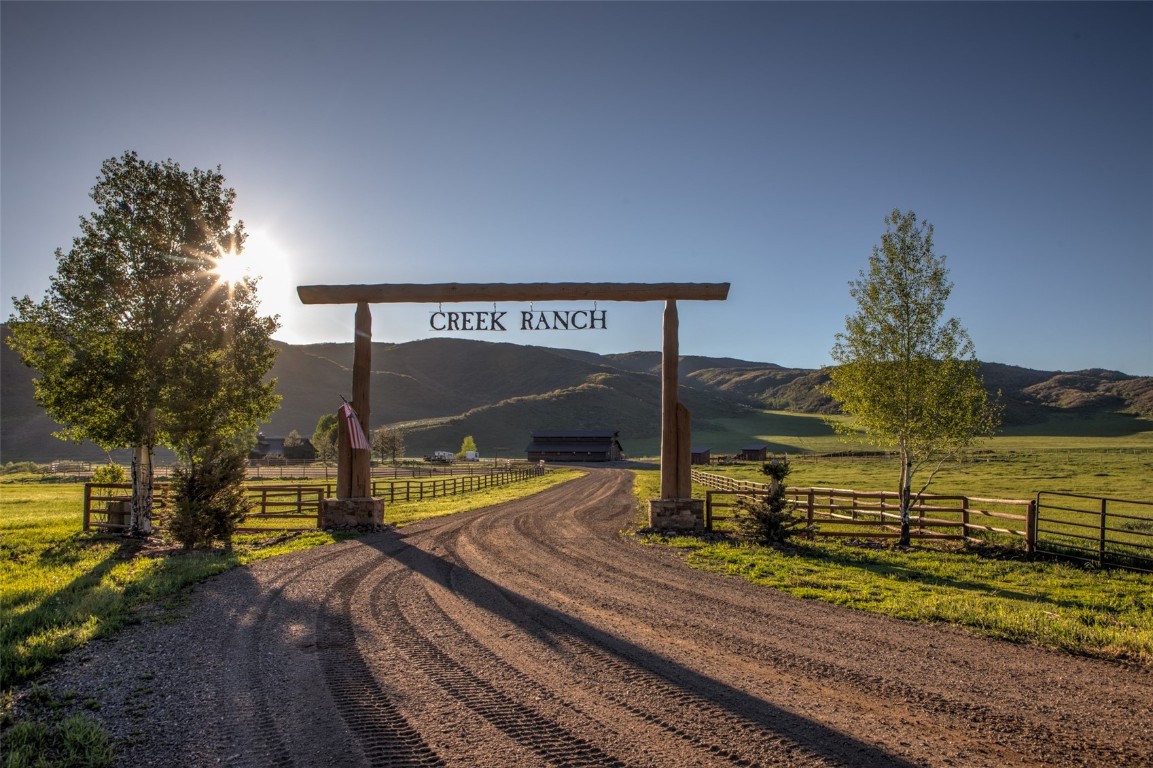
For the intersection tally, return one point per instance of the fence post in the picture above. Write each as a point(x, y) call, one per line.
point(87, 505)
point(965, 520)
point(1031, 525)
point(812, 500)
point(1101, 552)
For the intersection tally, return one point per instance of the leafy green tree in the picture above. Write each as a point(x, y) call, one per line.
point(388, 442)
point(466, 445)
point(294, 446)
point(139, 341)
point(324, 440)
point(908, 377)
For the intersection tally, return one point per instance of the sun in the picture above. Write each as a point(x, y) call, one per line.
point(232, 268)
point(264, 266)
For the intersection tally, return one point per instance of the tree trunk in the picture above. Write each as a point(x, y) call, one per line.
point(141, 491)
point(906, 494)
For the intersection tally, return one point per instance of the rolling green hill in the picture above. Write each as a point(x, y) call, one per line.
point(441, 389)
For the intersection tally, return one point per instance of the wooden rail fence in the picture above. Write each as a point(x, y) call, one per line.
point(838, 512)
point(1102, 530)
point(107, 506)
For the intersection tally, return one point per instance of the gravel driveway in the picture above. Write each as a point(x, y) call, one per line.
point(533, 634)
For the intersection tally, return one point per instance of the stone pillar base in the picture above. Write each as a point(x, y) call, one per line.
point(365, 513)
point(686, 515)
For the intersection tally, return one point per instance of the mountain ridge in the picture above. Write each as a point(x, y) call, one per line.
point(442, 388)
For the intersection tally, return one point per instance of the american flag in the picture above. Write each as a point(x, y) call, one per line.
point(356, 437)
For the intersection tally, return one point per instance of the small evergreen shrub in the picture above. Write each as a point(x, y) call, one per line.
point(772, 519)
point(208, 497)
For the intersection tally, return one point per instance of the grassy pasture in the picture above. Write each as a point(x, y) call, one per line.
point(994, 592)
point(806, 433)
point(60, 588)
point(1015, 473)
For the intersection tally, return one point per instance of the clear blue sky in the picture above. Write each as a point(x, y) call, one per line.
point(760, 144)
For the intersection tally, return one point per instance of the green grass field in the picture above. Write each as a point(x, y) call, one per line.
point(992, 591)
point(990, 472)
point(60, 588)
point(802, 433)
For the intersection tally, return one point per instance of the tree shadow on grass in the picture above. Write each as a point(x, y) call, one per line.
point(87, 606)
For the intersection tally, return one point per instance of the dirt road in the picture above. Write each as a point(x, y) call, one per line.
point(533, 634)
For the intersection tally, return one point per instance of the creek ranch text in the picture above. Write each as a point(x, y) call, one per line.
point(539, 320)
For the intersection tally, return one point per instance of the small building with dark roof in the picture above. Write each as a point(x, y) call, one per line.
point(756, 452)
point(700, 455)
point(273, 449)
point(575, 445)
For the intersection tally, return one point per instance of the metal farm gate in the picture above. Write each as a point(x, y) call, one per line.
point(1110, 532)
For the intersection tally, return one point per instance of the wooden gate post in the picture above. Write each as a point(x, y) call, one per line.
point(675, 509)
point(361, 480)
point(670, 362)
point(1031, 525)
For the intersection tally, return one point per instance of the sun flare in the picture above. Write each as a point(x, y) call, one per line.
point(265, 263)
point(231, 268)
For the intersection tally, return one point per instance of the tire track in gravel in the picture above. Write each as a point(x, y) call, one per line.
point(705, 728)
point(670, 707)
point(788, 659)
point(523, 724)
point(384, 734)
point(252, 736)
point(1029, 738)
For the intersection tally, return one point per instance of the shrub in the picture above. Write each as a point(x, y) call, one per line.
point(20, 467)
point(771, 519)
point(109, 473)
point(208, 497)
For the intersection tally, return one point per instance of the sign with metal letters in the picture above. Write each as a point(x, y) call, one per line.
point(525, 320)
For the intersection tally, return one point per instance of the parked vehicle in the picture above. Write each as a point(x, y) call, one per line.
point(472, 455)
point(441, 457)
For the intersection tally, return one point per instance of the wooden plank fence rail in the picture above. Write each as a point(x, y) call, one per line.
point(289, 470)
point(842, 512)
point(107, 506)
point(419, 490)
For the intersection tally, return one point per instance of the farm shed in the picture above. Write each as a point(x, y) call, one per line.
point(273, 449)
point(757, 452)
point(575, 445)
point(700, 456)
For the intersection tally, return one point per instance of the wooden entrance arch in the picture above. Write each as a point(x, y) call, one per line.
point(353, 472)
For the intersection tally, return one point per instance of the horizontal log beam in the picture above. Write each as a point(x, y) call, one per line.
point(428, 293)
